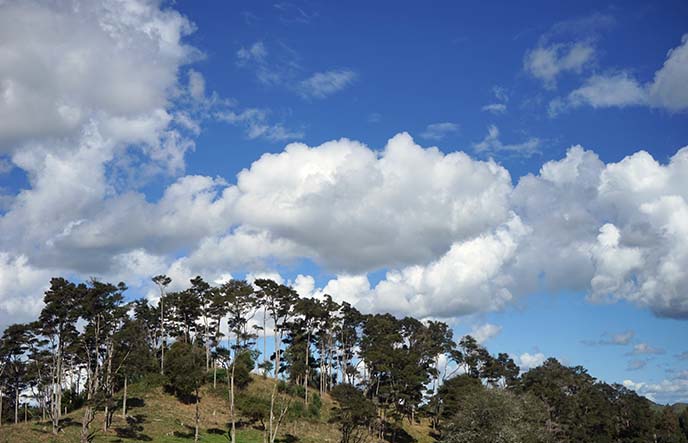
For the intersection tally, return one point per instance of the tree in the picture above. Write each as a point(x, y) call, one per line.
point(667, 428)
point(496, 416)
point(13, 346)
point(278, 301)
point(185, 371)
point(102, 309)
point(239, 304)
point(58, 323)
point(134, 356)
point(354, 413)
point(162, 281)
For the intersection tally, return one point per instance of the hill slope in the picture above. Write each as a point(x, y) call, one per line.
point(155, 415)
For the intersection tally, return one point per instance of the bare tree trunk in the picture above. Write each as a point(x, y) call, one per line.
point(124, 399)
point(198, 417)
point(277, 350)
point(163, 339)
point(305, 380)
point(276, 421)
point(231, 402)
point(108, 388)
point(265, 345)
point(0, 406)
point(214, 373)
point(16, 405)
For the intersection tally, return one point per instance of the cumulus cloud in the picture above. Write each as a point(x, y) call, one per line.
point(324, 84)
point(21, 288)
point(667, 391)
point(438, 131)
point(665, 91)
point(452, 234)
point(421, 194)
point(529, 361)
point(485, 332)
point(613, 230)
point(61, 65)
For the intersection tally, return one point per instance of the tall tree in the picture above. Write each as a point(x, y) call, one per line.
point(58, 323)
point(162, 281)
point(240, 306)
point(185, 371)
point(278, 301)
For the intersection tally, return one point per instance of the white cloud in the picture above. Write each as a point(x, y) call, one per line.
point(667, 391)
point(666, 91)
point(196, 85)
point(645, 349)
point(452, 232)
point(61, 67)
point(529, 361)
point(500, 94)
point(546, 63)
point(421, 194)
point(601, 91)
point(438, 131)
point(256, 125)
point(492, 144)
point(613, 230)
point(256, 53)
point(495, 108)
point(485, 332)
point(21, 289)
point(622, 338)
point(324, 84)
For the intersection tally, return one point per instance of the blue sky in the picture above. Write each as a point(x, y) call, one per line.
point(516, 171)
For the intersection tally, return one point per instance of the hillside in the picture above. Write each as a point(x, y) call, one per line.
point(155, 415)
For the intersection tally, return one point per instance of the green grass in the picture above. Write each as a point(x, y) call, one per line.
point(156, 416)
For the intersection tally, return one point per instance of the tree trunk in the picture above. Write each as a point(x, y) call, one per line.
point(277, 349)
point(124, 399)
point(0, 406)
point(231, 401)
point(265, 346)
point(57, 389)
point(162, 333)
point(198, 417)
point(108, 388)
point(16, 405)
point(305, 380)
point(214, 373)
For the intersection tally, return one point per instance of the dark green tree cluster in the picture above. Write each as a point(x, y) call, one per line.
point(89, 344)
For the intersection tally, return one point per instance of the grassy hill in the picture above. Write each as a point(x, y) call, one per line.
point(155, 415)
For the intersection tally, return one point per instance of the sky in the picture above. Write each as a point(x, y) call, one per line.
point(520, 172)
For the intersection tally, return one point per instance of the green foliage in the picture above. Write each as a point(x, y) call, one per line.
point(185, 369)
point(254, 407)
point(488, 415)
point(354, 413)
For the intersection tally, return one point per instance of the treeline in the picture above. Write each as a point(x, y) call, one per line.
point(88, 344)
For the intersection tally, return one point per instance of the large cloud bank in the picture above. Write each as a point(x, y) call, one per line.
point(99, 108)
